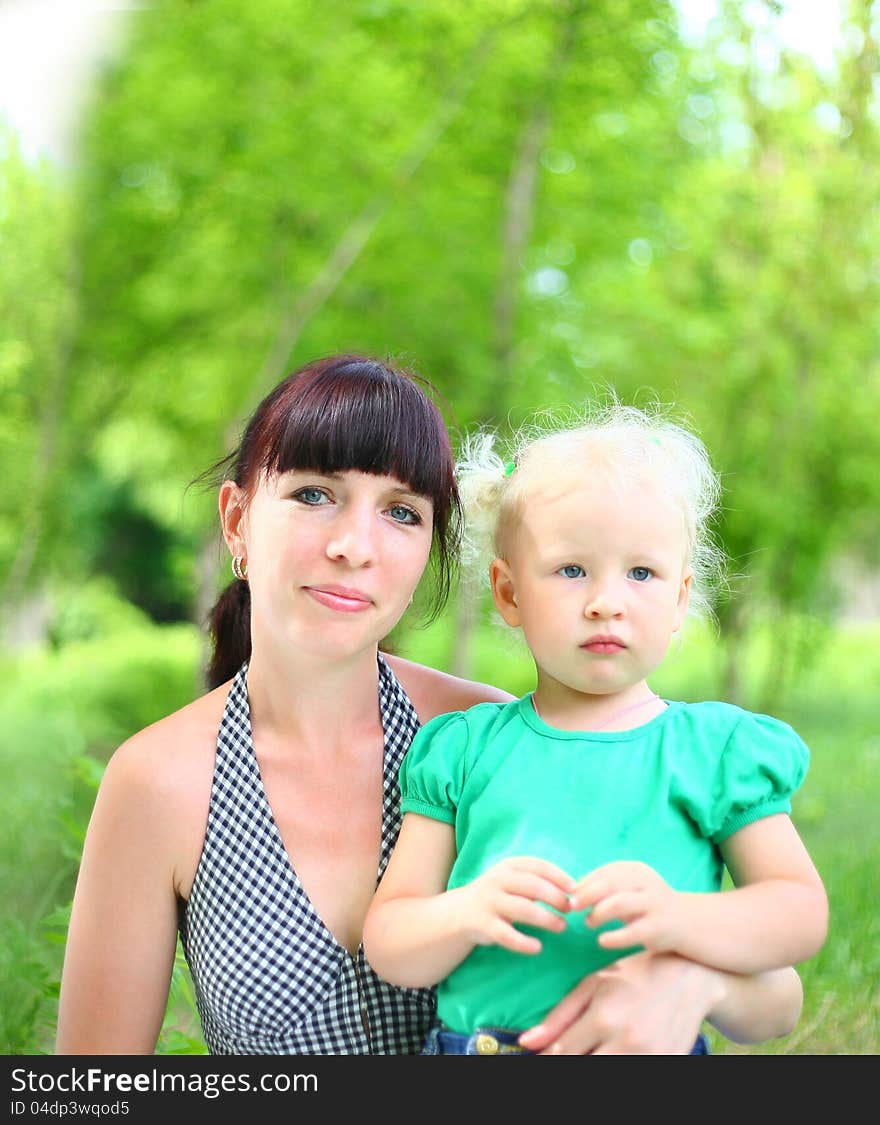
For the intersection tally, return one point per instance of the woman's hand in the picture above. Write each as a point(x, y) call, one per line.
point(645, 1004)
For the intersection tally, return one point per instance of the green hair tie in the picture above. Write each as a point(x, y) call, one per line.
point(509, 467)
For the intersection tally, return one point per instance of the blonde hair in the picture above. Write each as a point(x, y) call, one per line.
point(616, 442)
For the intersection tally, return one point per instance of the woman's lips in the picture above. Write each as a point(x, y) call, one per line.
point(341, 598)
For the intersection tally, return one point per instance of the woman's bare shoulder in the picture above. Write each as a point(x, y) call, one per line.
point(433, 693)
point(165, 772)
point(166, 769)
point(178, 744)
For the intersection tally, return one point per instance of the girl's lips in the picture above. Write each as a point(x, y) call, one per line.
point(342, 600)
point(604, 645)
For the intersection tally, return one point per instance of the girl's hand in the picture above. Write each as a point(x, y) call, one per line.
point(632, 893)
point(646, 1004)
point(514, 890)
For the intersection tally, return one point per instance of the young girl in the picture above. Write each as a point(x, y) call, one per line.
point(548, 836)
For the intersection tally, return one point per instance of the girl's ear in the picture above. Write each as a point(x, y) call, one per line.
point(504, 592)
point(684, 597)
point(231, 505)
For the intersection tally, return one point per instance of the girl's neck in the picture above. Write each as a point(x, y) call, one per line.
point(567, 709)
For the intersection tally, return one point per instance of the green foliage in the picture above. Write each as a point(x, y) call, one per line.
point(27, 1013)
point(525, 201)
point(36, 302)
point(61, 714)
point(181, 1031)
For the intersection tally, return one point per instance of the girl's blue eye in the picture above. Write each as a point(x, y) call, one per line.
point(640, 574)
point(311, 495)
point(401, 514)
point(572, 571)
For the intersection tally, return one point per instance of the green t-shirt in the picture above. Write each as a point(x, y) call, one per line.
point(666, 793)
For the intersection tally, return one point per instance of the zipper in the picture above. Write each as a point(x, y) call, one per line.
point(362, 1002)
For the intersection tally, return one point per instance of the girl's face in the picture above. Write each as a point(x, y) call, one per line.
point(333, 560)
point(598, 580)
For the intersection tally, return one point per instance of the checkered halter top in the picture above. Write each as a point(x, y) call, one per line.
point(270, 978)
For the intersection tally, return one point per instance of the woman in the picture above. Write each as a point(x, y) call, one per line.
point(258, 819)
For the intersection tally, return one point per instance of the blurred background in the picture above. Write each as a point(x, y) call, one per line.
point(528, 202)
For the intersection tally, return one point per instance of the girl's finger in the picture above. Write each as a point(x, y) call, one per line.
point(542, 867)
point(510, 938)
point(622, 907)
point(547, 870)
point(621, 938)
point(530, 886)
point(539, 890)
point(589, 893)
point(523, 910)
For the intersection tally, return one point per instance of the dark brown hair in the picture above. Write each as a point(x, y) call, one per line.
point(334, 414)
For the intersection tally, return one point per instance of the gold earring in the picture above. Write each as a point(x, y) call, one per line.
point(239, 568)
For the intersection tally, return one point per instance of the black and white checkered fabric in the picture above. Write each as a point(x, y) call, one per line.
point(270, 978)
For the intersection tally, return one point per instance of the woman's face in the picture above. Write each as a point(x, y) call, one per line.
point(333, 560)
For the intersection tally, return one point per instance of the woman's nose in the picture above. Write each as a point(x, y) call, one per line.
point(353, 537)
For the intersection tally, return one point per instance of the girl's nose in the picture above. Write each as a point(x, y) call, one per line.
point(603, 601)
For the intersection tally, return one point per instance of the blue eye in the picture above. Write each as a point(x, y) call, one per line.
point(311, 495)
point(401, 514)
point(640, 574)
point(572, 571)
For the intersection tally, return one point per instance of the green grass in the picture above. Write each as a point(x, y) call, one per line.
point(63, 711)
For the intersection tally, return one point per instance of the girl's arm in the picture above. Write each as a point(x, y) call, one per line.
point(655, 1004)
point(777, 915)
point(122, 934)
point(416, 932)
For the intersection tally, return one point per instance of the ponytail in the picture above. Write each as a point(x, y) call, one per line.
point(229, 624)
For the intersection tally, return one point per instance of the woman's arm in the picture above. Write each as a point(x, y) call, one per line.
point(435, 693)
point(122, 934)
point(416, 932)
point(655, 1004)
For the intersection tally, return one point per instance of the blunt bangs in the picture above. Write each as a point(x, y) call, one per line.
point(360, 416)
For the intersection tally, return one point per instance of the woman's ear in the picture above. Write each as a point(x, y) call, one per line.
point(504, 591)
point(231, 503)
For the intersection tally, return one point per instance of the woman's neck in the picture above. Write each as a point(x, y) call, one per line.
point(312, 701)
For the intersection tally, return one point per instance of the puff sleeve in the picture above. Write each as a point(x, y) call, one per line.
point(763, 762)
point(432, 772)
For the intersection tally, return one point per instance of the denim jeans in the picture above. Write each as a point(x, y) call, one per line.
point(497, 1041)
point(484, 1041)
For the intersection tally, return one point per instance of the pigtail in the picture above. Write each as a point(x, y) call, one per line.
point(483, 476)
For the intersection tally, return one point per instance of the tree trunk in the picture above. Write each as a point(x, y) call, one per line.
point(519, 213)
point(356, 236)
point(45, 467)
